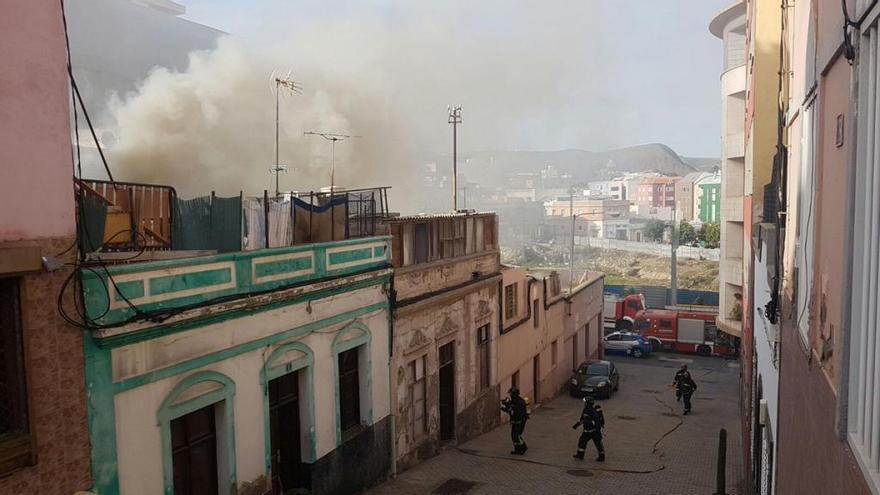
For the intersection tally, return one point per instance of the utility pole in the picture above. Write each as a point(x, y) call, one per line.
point(571, 251)
point(674, 260)
point(293, 87)
point(454, 119)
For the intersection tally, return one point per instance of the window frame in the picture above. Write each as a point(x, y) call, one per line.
point(510, 300)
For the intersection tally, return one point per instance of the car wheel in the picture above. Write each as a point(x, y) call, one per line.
point(637, 352)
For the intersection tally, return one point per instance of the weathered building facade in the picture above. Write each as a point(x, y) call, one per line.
point(826, 384)
point(238, 372)
point(44, 439)
point(446, 324)
point(546, 332)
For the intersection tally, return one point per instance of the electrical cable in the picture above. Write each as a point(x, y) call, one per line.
point(848, 47)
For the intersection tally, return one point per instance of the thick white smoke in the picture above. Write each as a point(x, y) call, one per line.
point(385, 78)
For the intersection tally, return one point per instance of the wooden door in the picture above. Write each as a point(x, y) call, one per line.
point(447, 391)
point(194, 453)
point(288, 470)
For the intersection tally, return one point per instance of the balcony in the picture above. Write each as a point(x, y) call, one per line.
point(732, 209)
point(153, 291)
point(734, 145)
point(731, 271)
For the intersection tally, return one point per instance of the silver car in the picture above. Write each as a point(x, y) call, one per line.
point(631, 344)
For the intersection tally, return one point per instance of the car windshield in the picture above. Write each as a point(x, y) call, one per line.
point(594, 369)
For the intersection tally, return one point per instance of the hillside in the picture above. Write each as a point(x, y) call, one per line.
point(486, 167)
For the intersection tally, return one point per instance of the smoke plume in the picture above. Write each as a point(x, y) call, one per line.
point(387, 78)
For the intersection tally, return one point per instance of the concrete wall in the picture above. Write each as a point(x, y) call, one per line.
point(35, 179)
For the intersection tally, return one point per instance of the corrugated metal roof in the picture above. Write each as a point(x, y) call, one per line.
point(436, 216)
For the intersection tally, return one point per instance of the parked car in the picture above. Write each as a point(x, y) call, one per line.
point(631, 344)
point(594, 378)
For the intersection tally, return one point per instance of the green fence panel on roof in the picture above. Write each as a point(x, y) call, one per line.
point(226, 224)
point(191, 229)
point(91, 225)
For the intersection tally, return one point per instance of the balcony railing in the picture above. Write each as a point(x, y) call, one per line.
point(146, 217)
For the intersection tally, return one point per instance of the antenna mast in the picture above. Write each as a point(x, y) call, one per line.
point(293, 87)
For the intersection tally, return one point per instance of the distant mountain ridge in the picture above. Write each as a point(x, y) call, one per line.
point(487, 167)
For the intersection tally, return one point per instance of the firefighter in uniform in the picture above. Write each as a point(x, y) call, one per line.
point(593, 421)
point(687, 386)
point(515, 406)
point(680, 375)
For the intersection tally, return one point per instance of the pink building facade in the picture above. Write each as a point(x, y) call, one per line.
point(44, 444)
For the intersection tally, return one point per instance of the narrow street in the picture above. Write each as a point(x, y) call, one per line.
point(651, 448)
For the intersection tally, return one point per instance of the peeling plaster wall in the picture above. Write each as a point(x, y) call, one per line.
point(418, 280)
point(420, 331)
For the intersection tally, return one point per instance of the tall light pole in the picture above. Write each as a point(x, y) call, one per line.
point(293, 87)
point(673, 277)
point(454, 119)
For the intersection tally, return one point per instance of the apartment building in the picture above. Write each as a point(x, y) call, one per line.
point(730, 26)
point(447, 286)
point(44, 441)
point(547, 330)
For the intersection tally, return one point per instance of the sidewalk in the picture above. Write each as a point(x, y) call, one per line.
point(651, 448)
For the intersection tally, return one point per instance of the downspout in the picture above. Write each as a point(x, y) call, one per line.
point(392, 395)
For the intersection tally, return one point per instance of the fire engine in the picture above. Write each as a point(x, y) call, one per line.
point(690, 329)
point(620, 312)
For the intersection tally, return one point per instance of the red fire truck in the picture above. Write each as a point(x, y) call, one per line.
point(620, 312)
point(689, 330)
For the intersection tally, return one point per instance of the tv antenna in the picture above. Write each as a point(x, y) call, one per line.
point(287, 84)
point(333, 138)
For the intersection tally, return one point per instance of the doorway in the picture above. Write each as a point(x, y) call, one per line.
point(288, 470)
point(574, 351)
point(194, 452)
point(536, 379)
point(447, 391)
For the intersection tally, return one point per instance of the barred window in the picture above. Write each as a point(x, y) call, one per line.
point(510, 301)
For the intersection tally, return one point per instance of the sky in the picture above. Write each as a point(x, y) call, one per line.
point(557, 74)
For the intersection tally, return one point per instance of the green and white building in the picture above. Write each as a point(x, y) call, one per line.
point(243, 371)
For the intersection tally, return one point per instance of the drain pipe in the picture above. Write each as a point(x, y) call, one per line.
point(392, 388)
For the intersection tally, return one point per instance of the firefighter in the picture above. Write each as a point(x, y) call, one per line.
point(680, 375)
point(515, 406)
point(687, 386)
point(593, 421)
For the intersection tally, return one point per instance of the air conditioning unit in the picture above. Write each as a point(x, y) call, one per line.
point(763, 413)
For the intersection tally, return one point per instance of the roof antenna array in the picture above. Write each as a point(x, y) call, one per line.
point(286, 84)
